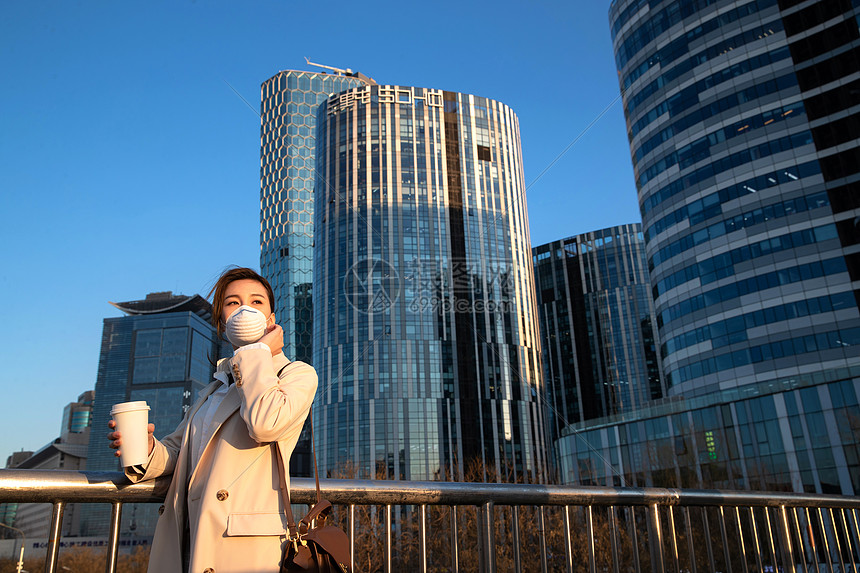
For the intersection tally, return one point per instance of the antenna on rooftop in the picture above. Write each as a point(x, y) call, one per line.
point(345, 72)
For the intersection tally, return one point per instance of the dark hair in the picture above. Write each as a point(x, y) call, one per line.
point(227, 277)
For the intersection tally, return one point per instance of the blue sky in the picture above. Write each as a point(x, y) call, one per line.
point(127, 164)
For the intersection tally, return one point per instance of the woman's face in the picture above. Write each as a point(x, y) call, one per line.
point(246, 292)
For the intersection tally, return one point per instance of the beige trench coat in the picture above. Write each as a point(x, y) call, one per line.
point(235, 512)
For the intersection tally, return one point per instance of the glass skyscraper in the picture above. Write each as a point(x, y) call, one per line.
point(288, 108)
point(162, 352)
point(428, 349)
point(597, 325)
point(742, 118)
point(289, 102)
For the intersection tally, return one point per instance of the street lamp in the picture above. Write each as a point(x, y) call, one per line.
point(21, 558)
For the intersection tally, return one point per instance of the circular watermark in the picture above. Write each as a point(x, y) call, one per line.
point(371, 285)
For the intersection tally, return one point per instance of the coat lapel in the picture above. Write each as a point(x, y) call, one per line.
point(178, 489)
point(228, 406)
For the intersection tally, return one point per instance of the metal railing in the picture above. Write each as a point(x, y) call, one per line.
point(481, 526)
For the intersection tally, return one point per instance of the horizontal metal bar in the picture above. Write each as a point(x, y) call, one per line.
point(49, 486)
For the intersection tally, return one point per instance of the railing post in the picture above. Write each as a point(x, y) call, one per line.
point(422, 538)
point(388, 538)
point(743, 547)
point(673, 539)
point(836, 543)
point(113, 537)
point(613, 536)
point(455, 557)
point(825, 549)
point(542, 532)
point(518, 565)
point(691, 549)
point(54, 537)
point(568, 545)
point(798, 535)
point(482, 558)
point(785, 541)
point(708, 546)
point(589, 526)
point(725, 538)
point(810, 532)
point(655, 537)
point(487, 538)
point(849, 537)
point(769, 531)
point(351, 533)
point(634, 538)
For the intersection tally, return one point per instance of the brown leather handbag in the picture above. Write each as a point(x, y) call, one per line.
point(312, 546)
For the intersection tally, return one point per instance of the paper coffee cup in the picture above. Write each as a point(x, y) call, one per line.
point(132, 419)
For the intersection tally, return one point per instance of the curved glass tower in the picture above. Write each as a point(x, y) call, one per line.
point(428, 349)
point(743, 119)
point(288, 107)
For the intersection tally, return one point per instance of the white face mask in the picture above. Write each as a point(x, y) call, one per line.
point(245, 326)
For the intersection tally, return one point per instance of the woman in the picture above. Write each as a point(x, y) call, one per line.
point(223, 511)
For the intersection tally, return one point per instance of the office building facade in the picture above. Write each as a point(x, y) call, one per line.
point(163, 351)
point(289, 102)
point(597, 323)
point(77, 417)
point(798, 434)
point(742, 120)
point(428, 350)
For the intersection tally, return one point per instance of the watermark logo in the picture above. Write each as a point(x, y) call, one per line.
point(371, 286)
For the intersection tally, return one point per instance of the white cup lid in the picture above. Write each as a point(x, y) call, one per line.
point(129, 407)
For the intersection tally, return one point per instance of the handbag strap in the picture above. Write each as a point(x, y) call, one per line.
point(285, 490)
point(314, 451)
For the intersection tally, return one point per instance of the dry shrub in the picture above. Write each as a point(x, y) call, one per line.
point(83, 560)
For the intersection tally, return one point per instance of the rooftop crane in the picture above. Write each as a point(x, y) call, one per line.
point(340, 71)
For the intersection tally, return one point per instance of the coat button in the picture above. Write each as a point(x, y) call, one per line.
point(222, 494)
point(160, 509)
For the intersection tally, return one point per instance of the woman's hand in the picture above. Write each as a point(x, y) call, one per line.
point(116, 439)
point(274, 339)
